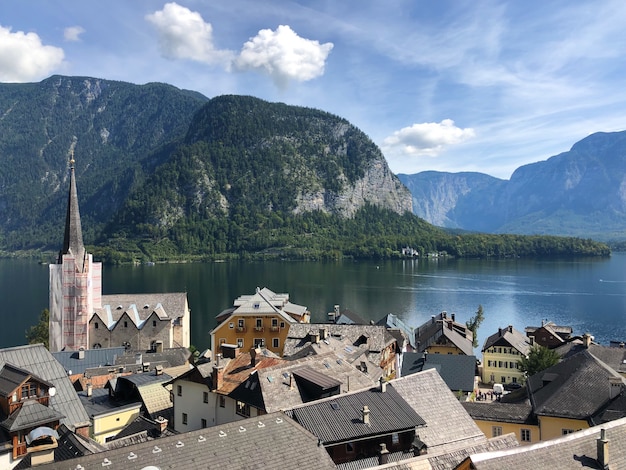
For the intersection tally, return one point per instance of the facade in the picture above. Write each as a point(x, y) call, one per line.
point(258, 320)
point(442, 334)
point(497, 419)
point(82, 318)
point(501, 352)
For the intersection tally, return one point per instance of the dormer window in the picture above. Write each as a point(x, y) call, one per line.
point(29, 390)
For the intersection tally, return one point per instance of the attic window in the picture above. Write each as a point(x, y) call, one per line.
point(256, 305)
point(146, 306)
point(119, 307)
point(334, 405)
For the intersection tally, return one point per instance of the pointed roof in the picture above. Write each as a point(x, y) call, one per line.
point(73, 238)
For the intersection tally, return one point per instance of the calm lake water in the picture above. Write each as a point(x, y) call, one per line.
point(587, 294)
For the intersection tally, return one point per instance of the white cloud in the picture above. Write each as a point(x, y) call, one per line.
point(24, 58)
point(427, 139)
point(73, 33)
point(284, 55)
point(183, 34)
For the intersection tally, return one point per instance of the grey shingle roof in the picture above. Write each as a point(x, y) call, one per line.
point(511, 337)
point(457, 370)
point(498, 411)
point(378, 338)
point(30, 414)
point(446, 420)
point(38, 360)
point(270, 441)
point(576, 450)
point(10, 378)
point(141, 306)
point(93, 358)
point(576, 387)
point(339, 418)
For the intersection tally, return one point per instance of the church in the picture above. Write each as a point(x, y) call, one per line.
point(81, 317)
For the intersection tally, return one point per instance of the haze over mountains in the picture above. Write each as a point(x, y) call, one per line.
point(581, 192)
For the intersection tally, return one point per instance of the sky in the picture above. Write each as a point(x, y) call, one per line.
point(446, 85)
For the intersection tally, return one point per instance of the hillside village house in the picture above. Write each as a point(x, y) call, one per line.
point(81, 317)
point(549, 334)
point(258, 320)
point(501, 352)
point(442, 334)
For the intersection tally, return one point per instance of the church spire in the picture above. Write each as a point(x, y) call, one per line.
point(73, 238)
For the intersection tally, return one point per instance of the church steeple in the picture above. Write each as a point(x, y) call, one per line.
point(73, 238)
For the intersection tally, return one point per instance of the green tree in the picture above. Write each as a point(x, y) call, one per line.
point(474, 323)
point(39, 333)
point(539, 358)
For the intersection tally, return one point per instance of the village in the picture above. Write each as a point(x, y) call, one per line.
point(120, 387)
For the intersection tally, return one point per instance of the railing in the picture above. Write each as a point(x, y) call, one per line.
point(258, 328)
point(274, 328)
point(241, 329)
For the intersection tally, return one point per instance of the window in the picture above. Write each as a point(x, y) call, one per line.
point(179, 390)
point(231, 325)
point(259, 323)
point(203, 423)
point(514, 380)
point(496, 431)
point(259, 342)
point(243, 409)
point(240, 342)
point(184, 418)
point(125, 324)
point(275, 342)
point(503, 379)
point(349, 447)
point(488, 363)
point(29, 390)
point(274, 322)
point(525, 435)
point(95, 325)
point(566, 431)
point(222, 401)
point(282, 324)
point(205, 397)
point(154, 323)
point(512, 365)
point(240, 323)
point(395, 439)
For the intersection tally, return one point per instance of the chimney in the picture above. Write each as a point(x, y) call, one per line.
point(89, 389)
point(158, 370)
point(499, 331)
point(615, 387)
point(444, 315)
point(453, 317)
point(510, 328)
point(291, 382)
point(81, 353)
point(217, 377)
point(603, 450)
point(218, 359)
point(383, 454)
point(323, 333)
point(314, 337)
point(432, 319)
point(161, 425)
point(587, 339)
point(252, 357)
point(383, 385)
point(365, 412)
point(419, 447)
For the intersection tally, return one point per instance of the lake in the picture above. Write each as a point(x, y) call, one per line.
point(587, 294)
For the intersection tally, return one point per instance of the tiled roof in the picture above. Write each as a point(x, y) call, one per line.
point(270, 441)
point(511, 337)
point(498, 411)
point(575, 450)
point(30, 414)
point(11, 377)
point(576, 387)
point(239, 369)
point(446, 420)
point(339, 418)
point(92, 358)
point(38, 360)
point(277, 394)
point(457, 370)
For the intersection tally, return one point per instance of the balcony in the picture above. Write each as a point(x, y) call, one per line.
point(274, 328)
point(259, 328)
point(241, 329)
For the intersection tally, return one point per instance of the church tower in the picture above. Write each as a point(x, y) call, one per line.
point(75, 282)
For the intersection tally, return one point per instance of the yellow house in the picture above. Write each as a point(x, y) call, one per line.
point(442, 334)
point(497, 419)
point(110, 423)
point(258, 320)
point(501, 352)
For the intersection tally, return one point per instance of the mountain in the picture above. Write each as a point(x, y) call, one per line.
point(155, 162)
point(581, 193)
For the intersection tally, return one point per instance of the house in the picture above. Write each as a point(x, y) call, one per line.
point(82, 318)
point(501, 353)
point(303, 380)
point(549, 334)
point(258, 320)
point(202, 396)
point(359, 425)
point(458, 371)
point(44, 397)
point(269, 441)
point(141, 322)
point(345, 317)
point(404, 334)
point(371, 348)
point(497, 419)
point(442, 334)
point(601, 447)
point(140, 430)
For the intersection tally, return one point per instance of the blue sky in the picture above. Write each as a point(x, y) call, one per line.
point(447, 85)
